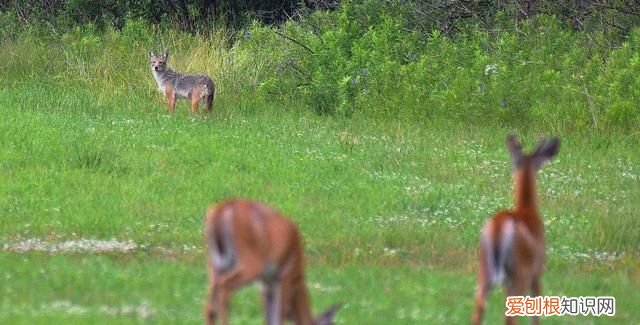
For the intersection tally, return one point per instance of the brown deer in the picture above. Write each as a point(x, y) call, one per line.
point(512, 242)
point(247, 241)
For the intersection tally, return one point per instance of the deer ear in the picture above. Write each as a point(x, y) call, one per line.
point(326, 318)
point(546, 150)
point(515, 149)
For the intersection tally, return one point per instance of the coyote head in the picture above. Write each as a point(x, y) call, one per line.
point(158, 63)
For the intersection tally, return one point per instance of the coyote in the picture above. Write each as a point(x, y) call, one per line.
point(173, 84)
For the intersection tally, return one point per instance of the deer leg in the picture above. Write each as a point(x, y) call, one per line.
point(289, 309)
point(483, 288)
point(481, 299)
point(296, 306)
point(536, 290)
point(299, 297)
point(272, 299)
point(227, 283)
point(217, 305)
point(521, 281)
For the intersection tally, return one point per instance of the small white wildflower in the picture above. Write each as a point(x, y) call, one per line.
point(490, 69)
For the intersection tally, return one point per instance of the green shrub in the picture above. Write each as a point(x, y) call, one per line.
point(366, 58)
point(543, 73)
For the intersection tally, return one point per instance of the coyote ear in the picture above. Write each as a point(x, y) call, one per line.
point(166, 55)
point(151, 55)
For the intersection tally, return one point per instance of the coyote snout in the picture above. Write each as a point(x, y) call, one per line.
point(157, 63)
point(176, 85)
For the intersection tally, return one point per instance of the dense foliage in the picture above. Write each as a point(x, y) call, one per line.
point(376, 58)
point(618, 17)
point(378, 126)
point(363, 59)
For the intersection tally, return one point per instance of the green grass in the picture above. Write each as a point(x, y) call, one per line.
point(390, 210)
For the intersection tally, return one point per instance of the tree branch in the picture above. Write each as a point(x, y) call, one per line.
point(294, 41)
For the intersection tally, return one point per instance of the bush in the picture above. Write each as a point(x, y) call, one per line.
point(366, 58)
point(542, 73)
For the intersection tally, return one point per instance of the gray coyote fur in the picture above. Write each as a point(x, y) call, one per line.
point(176, 85)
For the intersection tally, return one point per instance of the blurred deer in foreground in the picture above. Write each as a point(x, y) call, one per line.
point(247, 241)
point(512, 242)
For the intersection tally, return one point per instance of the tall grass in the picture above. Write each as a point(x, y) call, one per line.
point(390, 206)
point(541, 75)
point(85, 63)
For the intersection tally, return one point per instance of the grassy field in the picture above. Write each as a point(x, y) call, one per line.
point(390, 210)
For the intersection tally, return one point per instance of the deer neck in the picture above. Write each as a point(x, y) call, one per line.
point(525, 191)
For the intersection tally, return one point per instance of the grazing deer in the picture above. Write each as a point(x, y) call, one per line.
point(512, 242)
point(247, 241)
